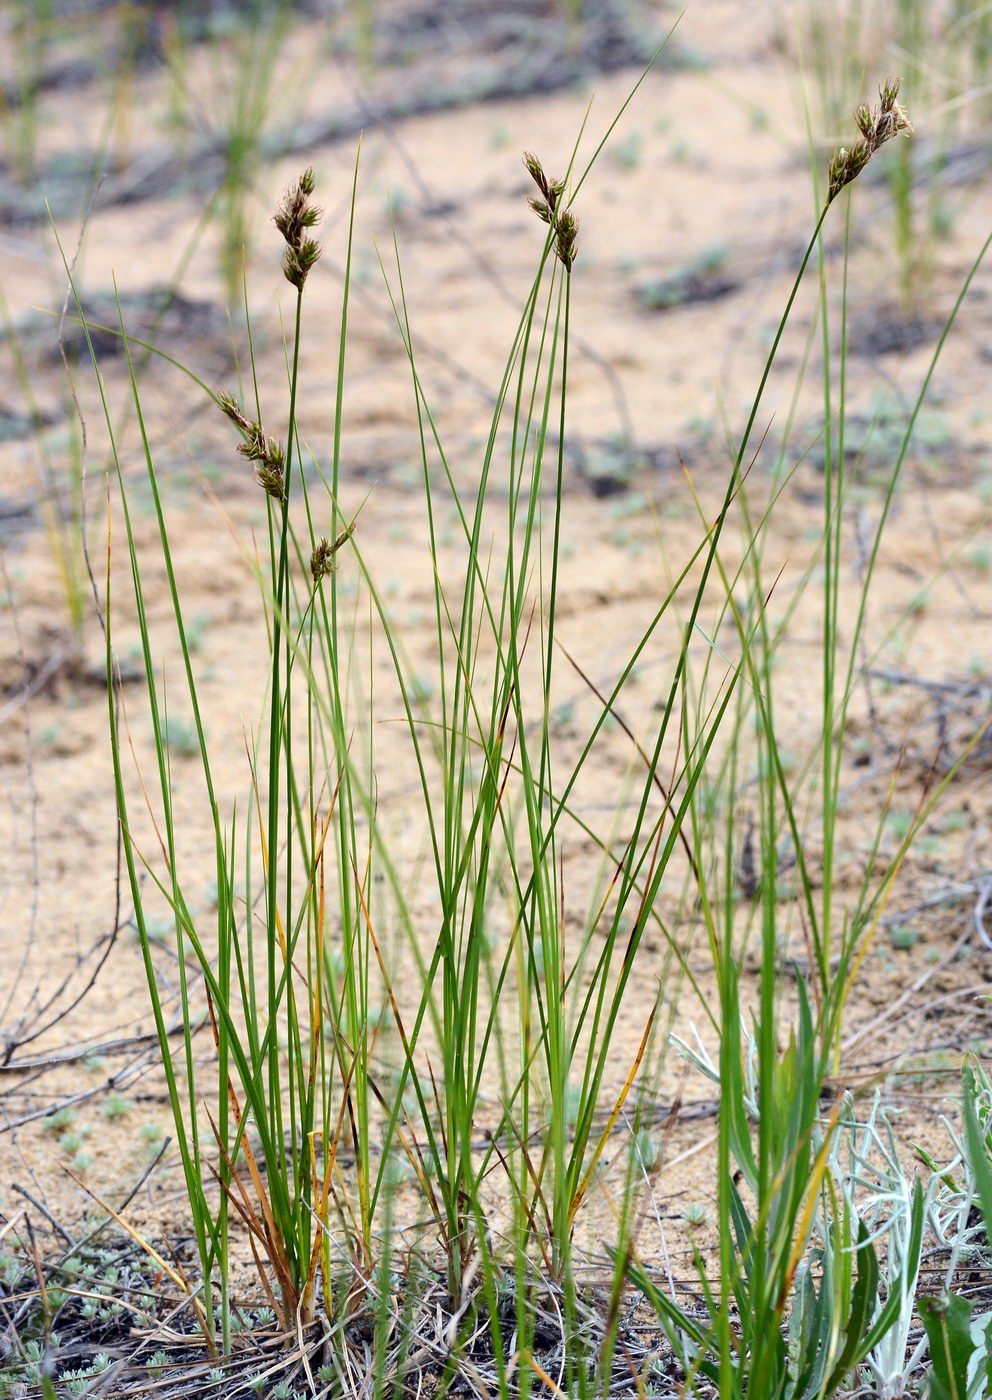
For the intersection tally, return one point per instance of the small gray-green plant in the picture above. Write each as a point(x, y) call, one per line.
point(62, 1118)
point(181, 737)
point(698, 279)
point(959, 1337)
point(627, 153)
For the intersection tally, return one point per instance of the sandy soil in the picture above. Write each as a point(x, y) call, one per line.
point(708, 171)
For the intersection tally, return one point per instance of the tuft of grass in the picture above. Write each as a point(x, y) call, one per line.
point(838, 42)
point(903, 936)
point(116, 1106)
point(341, 1051)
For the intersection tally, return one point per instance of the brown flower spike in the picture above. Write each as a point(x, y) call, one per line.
point(546, 209)
point(322, 561)
point(877, 126)
point(267, 454)
point(294, 216)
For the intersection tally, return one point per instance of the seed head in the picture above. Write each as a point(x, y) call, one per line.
point(228, 404)
point(271, 480)
point(534, 168)
point(566, 231)
point(293, 217)
point(270, 461)
point(864, 120)
point(888, 93)
point(546, 209)
point(877, 126)
point(267, 454)
point(550, 189)
point(540, 208)
point(297, 262)
point(846, 166)
point(322, 561)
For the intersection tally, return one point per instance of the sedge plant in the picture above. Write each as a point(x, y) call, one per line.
point(230, 109)
point(352, 1047)
point(943, 52)
point(296, 1073)
point(777, 1190)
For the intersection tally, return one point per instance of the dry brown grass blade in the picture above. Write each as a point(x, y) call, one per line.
point(545, 1379)
point(317, 1005)
point(611, 1121)
point(536, 1174)
point(528, 1206)
point(322, 1191)
point(271, 1234)
point(805, 1224)
point(321, 1194)
point(177, 1278)
point(256, 1230)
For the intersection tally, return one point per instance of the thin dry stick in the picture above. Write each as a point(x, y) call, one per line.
point(120, 1080)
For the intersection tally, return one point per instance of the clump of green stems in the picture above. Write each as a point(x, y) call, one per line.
point(288, 1091)
point(32, 26)
point(771, 1079)
point(795, 1338)
point(232, 111)
point(840, 42)
point(303, 991)
point(60, 491)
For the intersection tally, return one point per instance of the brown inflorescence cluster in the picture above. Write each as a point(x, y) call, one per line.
point(877, 125)
point(547, 210)
point(294, 217)
point(268, 455)
point(322, 559)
